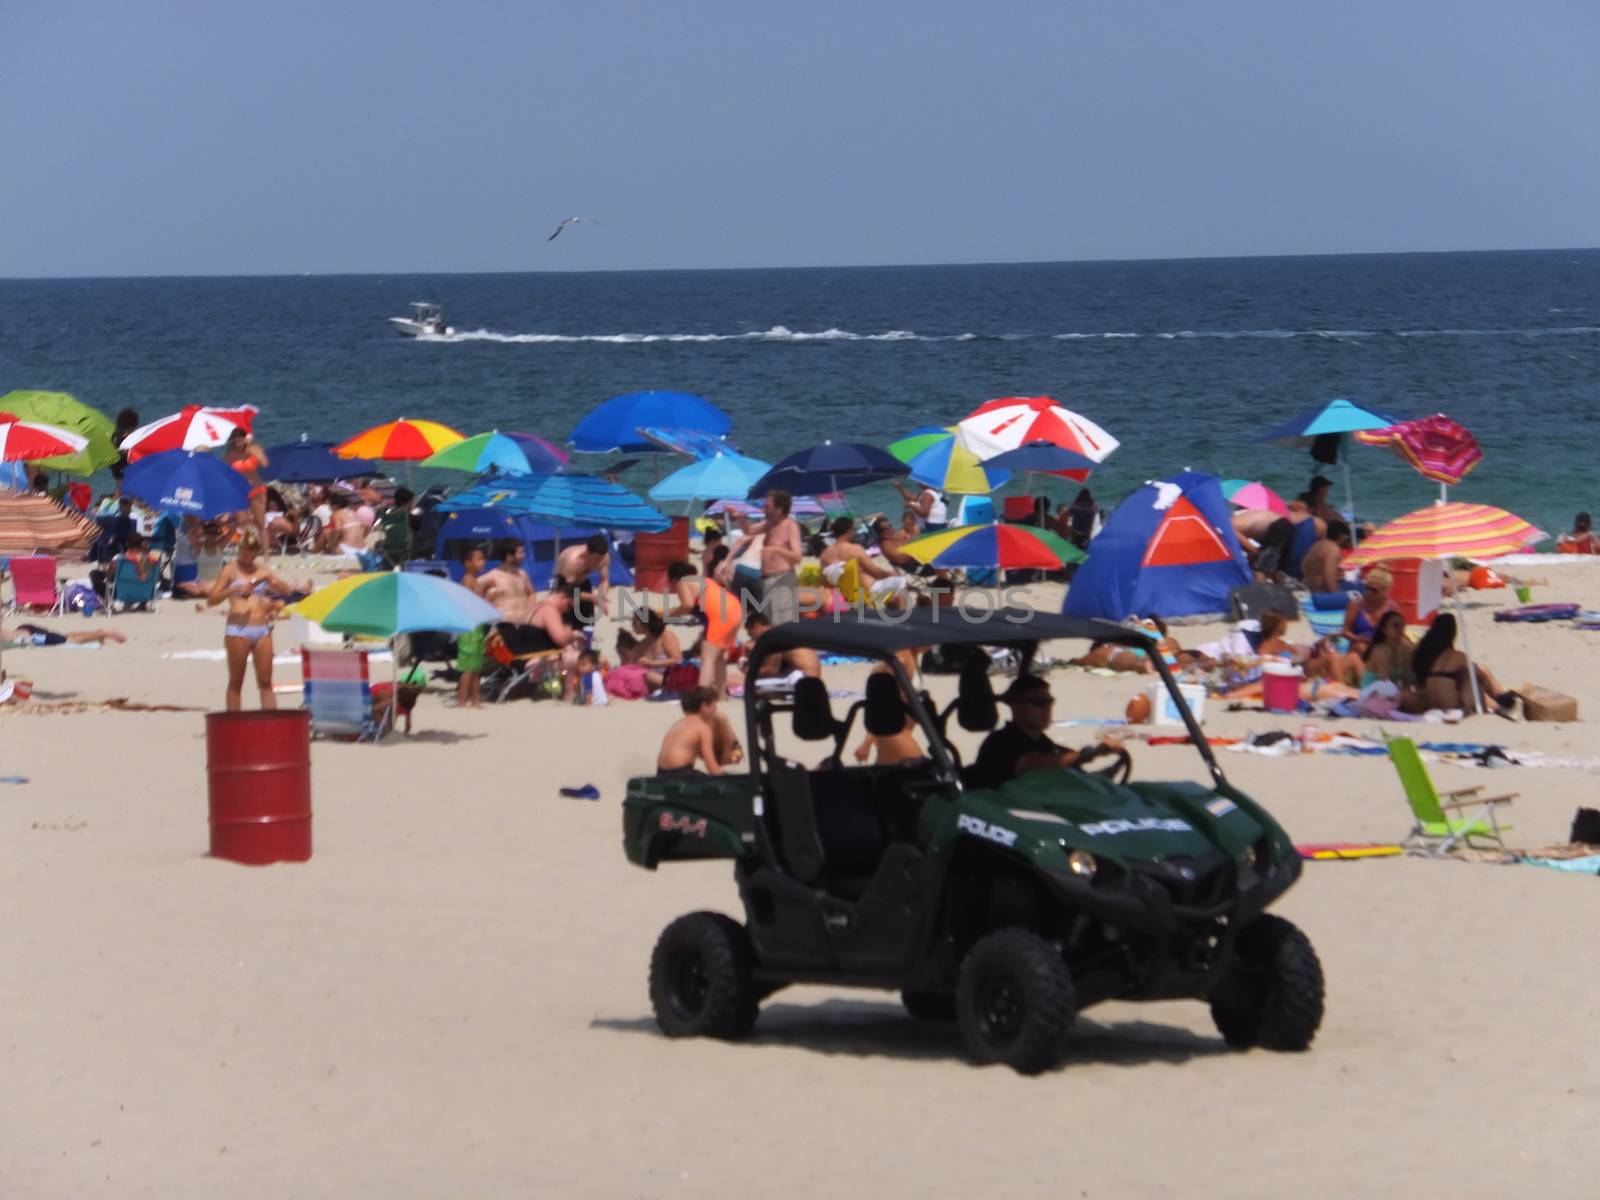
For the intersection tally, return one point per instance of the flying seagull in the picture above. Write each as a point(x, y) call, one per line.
point(569, 221)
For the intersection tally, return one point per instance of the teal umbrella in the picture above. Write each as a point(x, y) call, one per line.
point(722, 477)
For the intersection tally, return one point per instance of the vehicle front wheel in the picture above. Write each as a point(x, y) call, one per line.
point(1273, 996)
point(700, 983)
point(1015, 1001)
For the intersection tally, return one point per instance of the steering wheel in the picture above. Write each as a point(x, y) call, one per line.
point(1117, 771)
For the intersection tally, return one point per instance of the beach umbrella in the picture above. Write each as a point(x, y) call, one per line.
point(496, 451)
point(388, 603)
point(830, 467)
point(404, 440)
point(1000, 425)
point(1043, 458)
point(30, 441)
point(937, 458)
point(1451, 530)
point(66, 412)
point(14, 475)
point(1328, 424)
point(533, 446)
point(33, 524)
point(615, 424)
point(188, 483)
point(1008, 547)
point(1436, 447)
point(585, 500)
point(1254, 495)
point(195, 427)
point(725, 477)
point(313, 462)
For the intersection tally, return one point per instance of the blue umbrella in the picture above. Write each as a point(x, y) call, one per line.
point(615, 424)
point(1334, 419)
point(562, 499)
point(830, 467)
point(313, 462)
point(725, 477)
point(1041, 456)
point(188, 483)
point(505, 453)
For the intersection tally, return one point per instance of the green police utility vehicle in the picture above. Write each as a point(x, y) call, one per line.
point(1007, 909)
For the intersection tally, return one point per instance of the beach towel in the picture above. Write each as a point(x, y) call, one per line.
point(627, 682)
point(1539, 612)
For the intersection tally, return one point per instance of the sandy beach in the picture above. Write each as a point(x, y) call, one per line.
point(449, 998)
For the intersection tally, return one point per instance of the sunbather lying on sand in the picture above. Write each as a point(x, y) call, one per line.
point(36, 635)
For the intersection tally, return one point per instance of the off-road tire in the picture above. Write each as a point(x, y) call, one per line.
point(930, 1006)
point(1015, 1001)
point(700, 984)
point(1273, 996)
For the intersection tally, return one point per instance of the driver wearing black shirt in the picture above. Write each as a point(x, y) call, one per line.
point(1022, 746)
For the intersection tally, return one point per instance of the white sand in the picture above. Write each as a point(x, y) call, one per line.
point(449, 998)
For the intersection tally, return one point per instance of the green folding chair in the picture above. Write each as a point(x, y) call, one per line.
point(1435, 831)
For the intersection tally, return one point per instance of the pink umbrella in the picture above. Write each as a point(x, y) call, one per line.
point(1000, 425)
point(1257, 496)
point(28, 441)
point(1440, 449)
point(197, 427)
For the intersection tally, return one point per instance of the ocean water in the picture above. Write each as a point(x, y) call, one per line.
point(1185, 361)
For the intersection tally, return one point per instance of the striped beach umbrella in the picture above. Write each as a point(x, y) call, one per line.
point(1436, 447)
point(1455, 530)
point(1000, 425)
point(388, 603)
point(195, 427)
point(496, 451)
point(31, 524)
point(1008, 547)
point(585, 500)
point(938, 459)
point(404, 440)
point(29, 441)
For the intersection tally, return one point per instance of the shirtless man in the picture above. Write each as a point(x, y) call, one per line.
point(781, 553)
point(799, 658)
point(692, 737)
point(508, 587)
point(575, 564)
point(1321, 566)
point(879, 580)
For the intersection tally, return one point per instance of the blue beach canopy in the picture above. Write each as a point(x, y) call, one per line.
point(830, 467)
point(487, 526)
point(313, 462)
point(187, 483)
point(1336, 416)
point(725, 477)
point(562, 500)
point(1168, 550)
point(615, 424)
point(1041, 456)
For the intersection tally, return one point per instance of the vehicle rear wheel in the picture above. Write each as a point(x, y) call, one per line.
point(1273, 996)
point(1015, 1001)
point(700, 983)
point(930, 1006)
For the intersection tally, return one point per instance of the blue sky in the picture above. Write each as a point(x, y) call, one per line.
point(216, 138)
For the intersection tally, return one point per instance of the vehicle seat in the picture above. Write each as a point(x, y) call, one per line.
point(886, 710)
point(799, 845)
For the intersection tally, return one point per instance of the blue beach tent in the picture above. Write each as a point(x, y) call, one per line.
point(541, 543)
point(1168, 550)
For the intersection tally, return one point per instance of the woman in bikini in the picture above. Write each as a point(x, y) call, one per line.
point(253, 596)
point(1389, 657)
point(1366, 610)
point(1440, 677)
point(243, 454)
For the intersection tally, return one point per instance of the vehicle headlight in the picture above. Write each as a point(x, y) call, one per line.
point(1248, 858)
point(1082, 864)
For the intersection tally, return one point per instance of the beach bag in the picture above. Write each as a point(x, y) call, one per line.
point(1546, 704)
point(627, 682)
point(1586, 827)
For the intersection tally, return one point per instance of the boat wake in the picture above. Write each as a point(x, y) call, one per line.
point(783, 334)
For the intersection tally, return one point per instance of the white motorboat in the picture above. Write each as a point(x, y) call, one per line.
point(425, 321)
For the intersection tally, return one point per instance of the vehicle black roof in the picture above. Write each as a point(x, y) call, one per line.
point(860, 634)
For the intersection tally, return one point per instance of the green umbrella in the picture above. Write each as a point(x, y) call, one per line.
point(63, 411)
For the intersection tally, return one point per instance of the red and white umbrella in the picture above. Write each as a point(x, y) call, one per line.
point(1001, 425)
point(27, 441)
point(197, 427)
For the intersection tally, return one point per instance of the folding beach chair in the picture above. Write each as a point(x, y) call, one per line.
point(127, 589)
point(1436, 832)
point(338, 693)
point(34, 585)
point(511, 671)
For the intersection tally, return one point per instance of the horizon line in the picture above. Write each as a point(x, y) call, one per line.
point(817, 267)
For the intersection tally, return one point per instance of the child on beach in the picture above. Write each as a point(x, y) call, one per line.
point(469, 646)
point(591, 689)
point(692, 737)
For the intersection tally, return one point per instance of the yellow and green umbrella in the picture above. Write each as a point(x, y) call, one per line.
point(69, 413)
point(938, 459)
point(1008, 547)
point(387, 603)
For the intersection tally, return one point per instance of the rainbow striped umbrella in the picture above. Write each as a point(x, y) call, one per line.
point(1437, 447)
point(399, 441)
point(1008, 547)
point(1455, 530)
point(938, 459)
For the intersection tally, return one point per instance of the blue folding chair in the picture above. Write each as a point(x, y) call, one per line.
point(127, 589)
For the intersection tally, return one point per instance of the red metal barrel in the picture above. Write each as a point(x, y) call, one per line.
point(259, 769)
